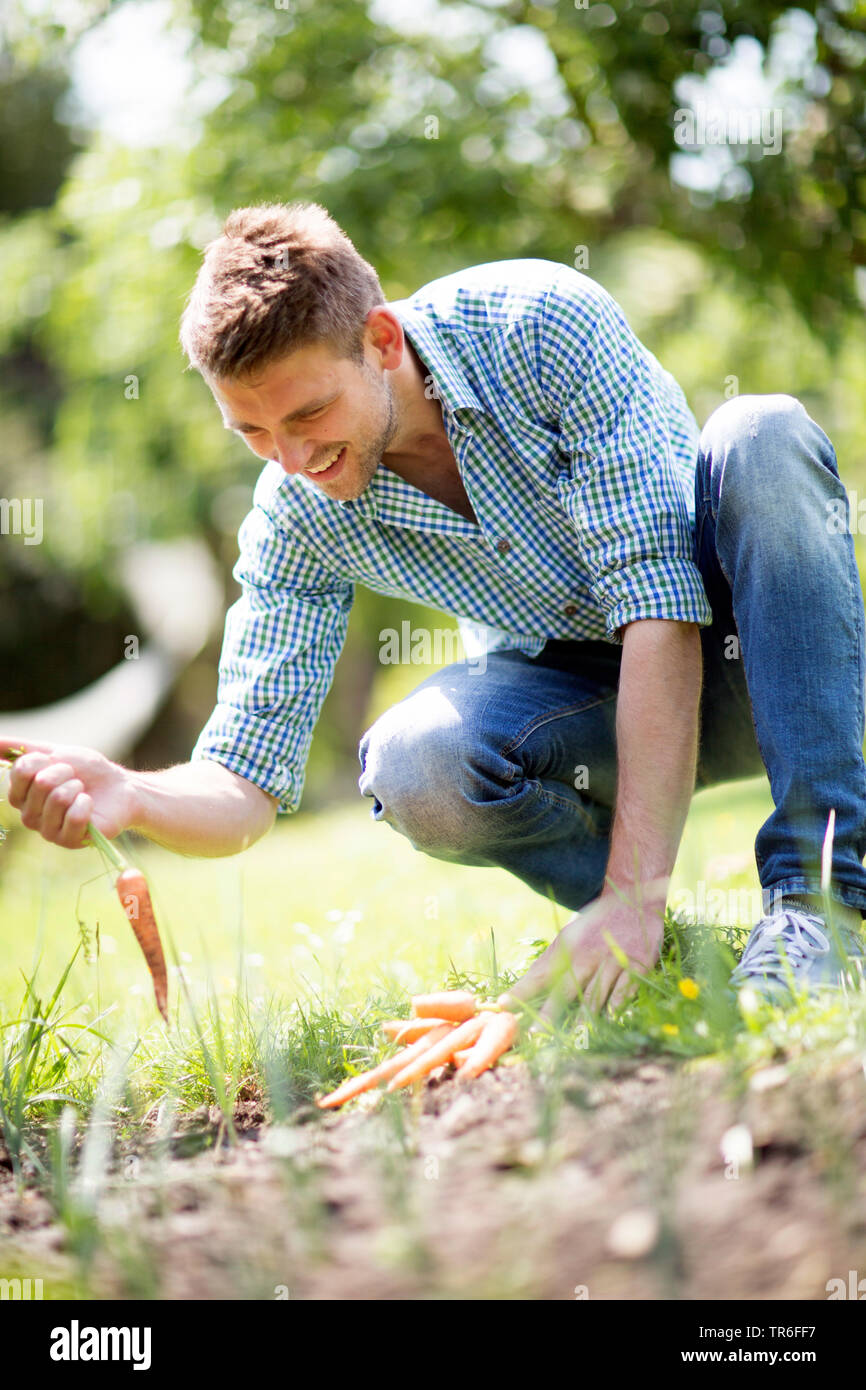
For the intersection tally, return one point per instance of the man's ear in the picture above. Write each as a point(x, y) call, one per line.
point(384, 332)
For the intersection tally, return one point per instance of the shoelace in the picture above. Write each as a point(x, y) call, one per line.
point(795, 928)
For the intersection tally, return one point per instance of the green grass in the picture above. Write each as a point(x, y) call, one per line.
point(331, 902)
point(286, 960)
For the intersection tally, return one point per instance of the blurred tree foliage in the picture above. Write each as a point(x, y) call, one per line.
point(435, 144)
point(37, 147)
point(795, 218)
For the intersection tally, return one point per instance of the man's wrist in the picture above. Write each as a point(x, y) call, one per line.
point(649, 891)
point(135, 802)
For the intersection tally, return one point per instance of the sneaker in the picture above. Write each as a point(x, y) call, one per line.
point(794, 949)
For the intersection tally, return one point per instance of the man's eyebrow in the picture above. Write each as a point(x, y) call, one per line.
point(292, 415)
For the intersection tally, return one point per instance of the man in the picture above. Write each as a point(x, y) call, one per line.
point(501, 446)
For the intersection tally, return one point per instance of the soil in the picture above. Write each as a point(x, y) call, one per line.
point(611, 1185)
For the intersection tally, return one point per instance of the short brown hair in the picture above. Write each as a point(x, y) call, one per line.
point(281, 276)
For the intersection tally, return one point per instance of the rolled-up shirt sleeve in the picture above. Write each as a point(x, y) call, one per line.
point(621, 488)
point(282, 640)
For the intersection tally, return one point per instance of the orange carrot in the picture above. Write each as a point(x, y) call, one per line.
point(392, 1026)
point(135, 900)
point(367, 1079)
point(415, 1028)
point(454, 1004)
point(460, 1056)
point(131, 888)
point(441, 1052)
point(498, 1034)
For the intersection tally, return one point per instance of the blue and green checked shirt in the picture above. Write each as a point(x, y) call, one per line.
point(577, 451)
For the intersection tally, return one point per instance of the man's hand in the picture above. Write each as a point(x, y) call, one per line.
point(581, 962)
point(58, 788)
point(197, 808)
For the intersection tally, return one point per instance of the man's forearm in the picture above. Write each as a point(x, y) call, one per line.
point(200, 808)
point(657, 740)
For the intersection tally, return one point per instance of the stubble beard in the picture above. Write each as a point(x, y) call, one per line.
point(372, 456)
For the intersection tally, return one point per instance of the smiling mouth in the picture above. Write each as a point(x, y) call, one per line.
point(322, 468)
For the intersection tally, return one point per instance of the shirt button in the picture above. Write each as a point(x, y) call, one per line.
point(570, 609)
point(503, 547)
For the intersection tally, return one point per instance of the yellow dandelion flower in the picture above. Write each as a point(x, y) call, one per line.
point(671, 1029)
point(690, 988)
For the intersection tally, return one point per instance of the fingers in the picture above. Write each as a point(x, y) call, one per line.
point(600, 984)
point(528, 986)
point(67, 811)
point(555, 974)
point(522, 990)
point(599, 987)
point(21, 778)
point(553, 964)
point(592, 993)
point(625, 988)
point(51, 799)
point(556, 1003)
point(12, 745)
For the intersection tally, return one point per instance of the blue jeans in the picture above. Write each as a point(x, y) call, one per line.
point(517, 767)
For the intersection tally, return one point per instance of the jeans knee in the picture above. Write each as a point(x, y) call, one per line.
point(414, 766)
point(743, 419)
point(758, 448)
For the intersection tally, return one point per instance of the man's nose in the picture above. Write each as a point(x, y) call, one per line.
point(292, 456)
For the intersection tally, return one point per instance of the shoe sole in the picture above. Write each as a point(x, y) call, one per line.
point(784, 992)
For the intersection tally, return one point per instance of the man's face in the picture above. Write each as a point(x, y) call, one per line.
point(315, 411)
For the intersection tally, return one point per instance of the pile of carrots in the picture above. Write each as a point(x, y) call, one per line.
point(445, 1027)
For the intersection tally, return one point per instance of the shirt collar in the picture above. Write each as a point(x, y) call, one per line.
point(459, 404)
point(439, 356)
